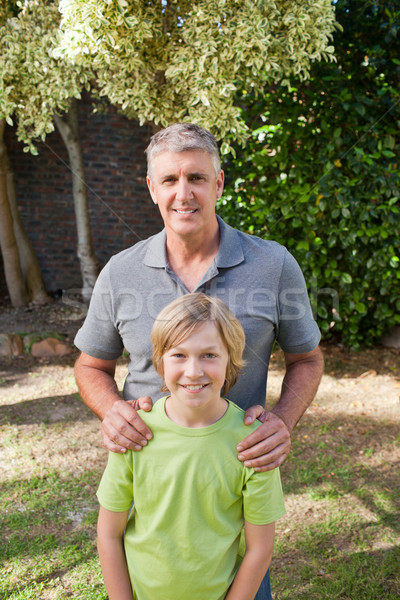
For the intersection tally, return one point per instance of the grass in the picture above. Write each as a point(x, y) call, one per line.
point(47, 524)
point(345, 544)
point(339, 539)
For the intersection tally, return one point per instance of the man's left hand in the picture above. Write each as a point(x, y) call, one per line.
point(268, 446)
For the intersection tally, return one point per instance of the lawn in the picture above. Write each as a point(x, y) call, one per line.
point(339, 539)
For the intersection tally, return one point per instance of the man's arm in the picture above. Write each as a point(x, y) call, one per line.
point(122, 427)
point(110, 545)
point(255, 563)
point(268, 446)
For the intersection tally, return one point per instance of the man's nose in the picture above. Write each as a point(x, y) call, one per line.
point(183, 191)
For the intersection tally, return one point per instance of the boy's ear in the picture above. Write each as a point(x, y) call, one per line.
point(163, 388)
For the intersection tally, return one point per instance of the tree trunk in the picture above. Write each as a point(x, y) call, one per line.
point(69, 132)
point(9, 248)
point(30, 267)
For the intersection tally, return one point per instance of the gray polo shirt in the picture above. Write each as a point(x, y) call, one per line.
point(258, 279)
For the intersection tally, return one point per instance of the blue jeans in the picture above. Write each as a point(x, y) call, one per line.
point(264, 591)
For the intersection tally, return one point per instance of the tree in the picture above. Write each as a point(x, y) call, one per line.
point(36, 89)
point(23, 275)
point(321, 174)
point(8, 243)
point(169, 61)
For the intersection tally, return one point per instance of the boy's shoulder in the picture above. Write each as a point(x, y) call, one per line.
point(155, 414)
point(237, 417)
point(233, 419)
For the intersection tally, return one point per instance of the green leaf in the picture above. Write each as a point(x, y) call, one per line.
point(346, 278)
point(394, 262)
point(303, 245)
point(361, 307)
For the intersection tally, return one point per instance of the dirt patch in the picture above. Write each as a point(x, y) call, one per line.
point(60, 316)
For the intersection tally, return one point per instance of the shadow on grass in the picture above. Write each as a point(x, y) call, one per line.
point(332, 458)
point(51, 409)
point(366, 575)
point(344, 363)
point(19, 369)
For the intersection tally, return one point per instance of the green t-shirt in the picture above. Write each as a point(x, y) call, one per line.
point(191, 495)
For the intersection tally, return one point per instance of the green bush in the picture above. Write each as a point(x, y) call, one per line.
point(321, 175)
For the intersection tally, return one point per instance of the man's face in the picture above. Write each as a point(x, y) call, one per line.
point(185, 188)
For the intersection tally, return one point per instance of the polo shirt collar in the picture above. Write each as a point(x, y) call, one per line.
point(156, 255)
point(230, 251)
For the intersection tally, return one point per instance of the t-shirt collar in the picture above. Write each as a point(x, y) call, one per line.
point(230, 251)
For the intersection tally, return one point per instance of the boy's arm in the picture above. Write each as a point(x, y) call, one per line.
point(110, 531)
point(255, 563)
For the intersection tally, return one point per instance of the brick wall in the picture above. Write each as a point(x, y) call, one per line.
point(121, 210)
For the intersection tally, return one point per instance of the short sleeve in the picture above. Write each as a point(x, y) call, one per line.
point(297, 331)
point(115, 491)
point(263, 498)
point(99, 336)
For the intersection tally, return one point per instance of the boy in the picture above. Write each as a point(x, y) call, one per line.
point(191, 495)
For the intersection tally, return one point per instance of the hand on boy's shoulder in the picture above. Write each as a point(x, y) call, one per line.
point(122, 427)
point(268, 446)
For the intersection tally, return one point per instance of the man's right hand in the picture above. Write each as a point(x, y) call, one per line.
point(123, 429)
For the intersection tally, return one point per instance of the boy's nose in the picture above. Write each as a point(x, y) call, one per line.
point(193, 368)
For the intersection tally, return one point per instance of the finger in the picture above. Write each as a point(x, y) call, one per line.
point(115, 442)
point(261, 433)
point(253, 413)
point(274, 460)
point(265, 452)
point(123, 432)
point(122, 415)
point(141, 427)
point(264, 446)
point(144, 402)
point(267, 459)
point(279, 439)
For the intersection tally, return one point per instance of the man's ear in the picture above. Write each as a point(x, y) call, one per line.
point(220, 183)
point(151, 189)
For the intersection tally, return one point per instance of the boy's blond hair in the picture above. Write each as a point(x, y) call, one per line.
point(177, 321)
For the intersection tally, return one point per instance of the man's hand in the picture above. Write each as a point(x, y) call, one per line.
point(123, 429)
point(268, 446)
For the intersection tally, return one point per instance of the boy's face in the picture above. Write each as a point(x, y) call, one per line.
point(195, 371)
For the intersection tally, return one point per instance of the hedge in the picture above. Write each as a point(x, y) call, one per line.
point(320, 174)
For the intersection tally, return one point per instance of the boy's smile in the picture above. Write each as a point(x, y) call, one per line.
point(194, 373)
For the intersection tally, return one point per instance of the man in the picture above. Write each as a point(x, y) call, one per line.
point(258, 279)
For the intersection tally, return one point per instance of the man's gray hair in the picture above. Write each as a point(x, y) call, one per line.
point(183, 137)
